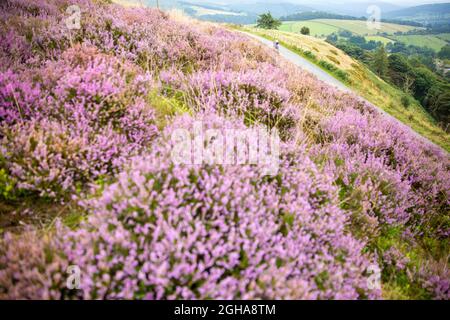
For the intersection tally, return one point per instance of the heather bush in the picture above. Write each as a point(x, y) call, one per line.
point(98, 91)
point(354, 189)
point(164, 231)
point(30, 267)
point(258, 96)
point(53, 160)
point(408, 175)
point(435, 278)
point(95, 116)
point(19, 98)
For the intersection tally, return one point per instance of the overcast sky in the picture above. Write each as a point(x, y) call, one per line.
point(399, 2)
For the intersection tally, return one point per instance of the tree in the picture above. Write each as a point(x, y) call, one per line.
point(400, 72)
point(266, 21)
point(445, 52)
point(424, 81)
point(345, 33)
point(305, 31)
point(332, 38)
point(380, 62)
point(437, 102)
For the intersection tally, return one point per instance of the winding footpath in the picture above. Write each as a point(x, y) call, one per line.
point(330, 80)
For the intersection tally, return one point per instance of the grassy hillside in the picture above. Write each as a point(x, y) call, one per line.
point(361, 28)
point(316, 28)
point(363, 81)
point(428, 13)
point(321, 28)
point(429, 41)
point(128, 151)
point(381, 39)
point(325, 27)
point(444, 36)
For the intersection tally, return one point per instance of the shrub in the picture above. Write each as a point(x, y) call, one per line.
point(406, 102)
point(418, 184)
point(305, 31)
point(95, 116)
point(258, 96)
point(30, 267)
point(165, 231)
point(310, 55)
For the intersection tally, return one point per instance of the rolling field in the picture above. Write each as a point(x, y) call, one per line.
point(430, 41)
point(382, 39)
point(361, 28)
point(325, 27)
point(317, 29)
point(444, 36)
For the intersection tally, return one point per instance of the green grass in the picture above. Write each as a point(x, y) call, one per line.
point(317, 29)
point(397, 285)
point(430, 41)
point(444, 36)
point(325, 27)
point(381, 39)
point(361, 28)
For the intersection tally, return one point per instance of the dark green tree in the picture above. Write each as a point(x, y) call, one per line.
point(305, 31)
point(400, 72)
point(437, 102)
point(380, 62)
point(445, 52)
point(266, 21)
point(424, 81)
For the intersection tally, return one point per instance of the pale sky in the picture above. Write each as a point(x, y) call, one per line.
point(399, 2)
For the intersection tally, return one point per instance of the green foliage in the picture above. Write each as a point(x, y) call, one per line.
point(380, 63)
point(168, 104)
point(399, 70)
point(445, 52)
point(305, 31)
point(437, 102)
point(309, 55)
point(433, 92)
point(266, 21)
point(334, 70)
point(400, 283)
point(406, 102)
point(7, 186)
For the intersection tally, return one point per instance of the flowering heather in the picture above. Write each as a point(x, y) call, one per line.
point(80, 122)
point(257, 95)
point(30, 267)
point(167, 232)
point(401, 177)
point(355, 191)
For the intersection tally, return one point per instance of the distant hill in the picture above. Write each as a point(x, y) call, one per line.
point(314, 15)
point(277, 9)
point(245, 12)
point(311, 15)
point(429, 13)
point(356, 9)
